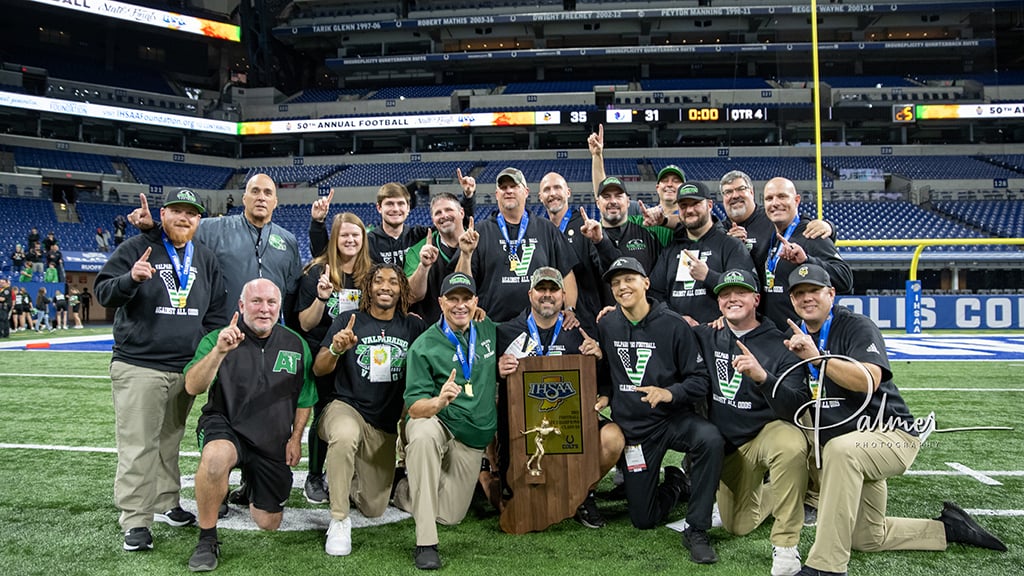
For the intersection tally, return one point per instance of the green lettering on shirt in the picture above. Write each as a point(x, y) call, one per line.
point(287, 362)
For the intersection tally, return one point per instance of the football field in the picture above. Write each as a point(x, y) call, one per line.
point(57, 462)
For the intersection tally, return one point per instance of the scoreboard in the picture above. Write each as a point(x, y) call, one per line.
point(907, 113)
point(654, 116)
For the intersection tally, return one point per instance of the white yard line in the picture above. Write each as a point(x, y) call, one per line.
point(979, 476)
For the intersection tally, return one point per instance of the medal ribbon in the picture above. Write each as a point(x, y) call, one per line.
point(513, 247)
point(773, 260)
point(183, 269)
point(465, 358)
point(822, 345)
point(531, 324)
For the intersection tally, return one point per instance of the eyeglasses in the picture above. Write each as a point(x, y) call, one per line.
point(737, 190)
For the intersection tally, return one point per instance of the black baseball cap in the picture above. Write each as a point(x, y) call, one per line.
point(457, 281)
point(694, 190)
point(184, 196)
point(624, 264)
point(737, 277)
point(611, 182)
point(809, 274)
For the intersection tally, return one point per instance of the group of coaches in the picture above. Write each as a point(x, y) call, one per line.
point(448, 374)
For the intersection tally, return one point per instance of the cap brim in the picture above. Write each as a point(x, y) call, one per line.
point(810, 282)
point(725, 285)
point(192, 204)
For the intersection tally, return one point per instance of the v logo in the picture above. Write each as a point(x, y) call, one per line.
point(643, 356)
point(729, 387)
point(524, 263)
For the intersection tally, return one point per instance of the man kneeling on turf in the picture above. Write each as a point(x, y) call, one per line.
point(260, 379)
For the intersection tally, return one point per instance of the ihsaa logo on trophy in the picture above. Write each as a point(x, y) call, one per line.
point(551, 391)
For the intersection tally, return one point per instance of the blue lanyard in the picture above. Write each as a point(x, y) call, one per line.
point(531, 324)
point(565, 220)
point(822, 341)
point(773, 261)
point(183, 269)
point(513, 248)
point(465, 358)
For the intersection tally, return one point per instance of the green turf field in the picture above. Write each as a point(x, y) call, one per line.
point(57, 515)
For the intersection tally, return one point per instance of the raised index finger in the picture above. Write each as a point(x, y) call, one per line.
point(793, 325)
point(600, 132)
point(470, 223)
point(327, 270)
point(583, 214)
point(781, 239)
point(330, 194)
point(430, 239)
point(143, 202)
point(746, 351)
point(351, 322)
point(458, 172)
point(234, 321)
point(145, 255)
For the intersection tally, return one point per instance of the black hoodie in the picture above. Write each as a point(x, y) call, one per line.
point(741, 413)
point(659, 350)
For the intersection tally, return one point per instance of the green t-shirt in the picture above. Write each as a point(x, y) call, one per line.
point(473, 420)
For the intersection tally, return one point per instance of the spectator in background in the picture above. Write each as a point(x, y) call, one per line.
point(49, 241)
point(75, 304)
point(23, 310)
point(35, 257)
point(120, 225)
point(86, 299)
point(17, 259)
point(43, 311)
point(102, 240)
point(6, 307)
point(60, 303)
point(56, 258)
point(229, 204)
point(26, 273)
point(33, 237)
point(51, 275)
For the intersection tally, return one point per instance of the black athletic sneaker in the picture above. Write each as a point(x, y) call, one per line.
point(588, 514)
point(138, 539)
point(961, 528)
point(176, 517)
point(239, 496)
point(810, 515)
point(316, 489)
point(427, 557)
point(699, 545)
point(204, 557)
point(677, 479)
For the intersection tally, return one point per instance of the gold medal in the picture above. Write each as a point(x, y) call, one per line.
point(468, 389)
point(513, 264)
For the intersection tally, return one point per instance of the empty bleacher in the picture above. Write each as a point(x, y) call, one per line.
point(178, 174)
point(62, 160)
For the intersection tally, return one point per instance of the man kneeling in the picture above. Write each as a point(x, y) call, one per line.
point(261, 390)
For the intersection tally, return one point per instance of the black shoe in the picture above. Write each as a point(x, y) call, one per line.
point(399, 474)
point(588, 514)
point(427, 557)
point(961, 528)
point(678, 480)
point(204, 557)
point(239, 496)
point(699, 545)
point(808, 571)
point(810, 516)
point(138, 539)
point(176, 517)
point(316, 489)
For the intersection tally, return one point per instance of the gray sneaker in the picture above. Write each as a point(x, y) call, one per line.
point(204, 557)
point(316, 489)
point(138, 539)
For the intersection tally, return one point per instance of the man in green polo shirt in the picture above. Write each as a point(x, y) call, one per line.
point(450, 392)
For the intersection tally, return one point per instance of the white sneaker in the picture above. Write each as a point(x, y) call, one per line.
point(339, 538)
point(785, 561)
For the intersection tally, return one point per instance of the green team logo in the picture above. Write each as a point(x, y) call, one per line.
point(459, 279)
point(636, 244)
point(733, 277)
point(643, 356)
point(287, 362)
point(728, 386)
point(524, 263)
point(277, 242)
point(177, 296)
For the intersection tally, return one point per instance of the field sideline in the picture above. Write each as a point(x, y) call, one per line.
point(57, 513)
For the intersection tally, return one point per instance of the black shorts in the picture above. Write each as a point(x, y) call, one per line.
point(269, 480)
point(21, 309)
point(75, 308)
point(63, 307)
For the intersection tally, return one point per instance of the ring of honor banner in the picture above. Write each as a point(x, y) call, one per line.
point(561, 390)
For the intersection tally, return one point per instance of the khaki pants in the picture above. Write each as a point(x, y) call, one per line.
point(743, 499)
point(150, 408)
point(851, 508)
point(442, 474)
point(360, 461)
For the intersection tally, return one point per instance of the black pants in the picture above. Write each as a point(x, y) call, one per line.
point(5, 322)
point(650, 504)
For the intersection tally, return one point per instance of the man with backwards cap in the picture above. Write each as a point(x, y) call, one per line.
point(656, 373)
point(754, 411)
point(450, 393)
point(511, 245)
point(693, 264)
point(866, 434)
point(168, 292)
point(541, 330)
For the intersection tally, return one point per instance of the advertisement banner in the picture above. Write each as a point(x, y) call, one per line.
point(996, 312)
